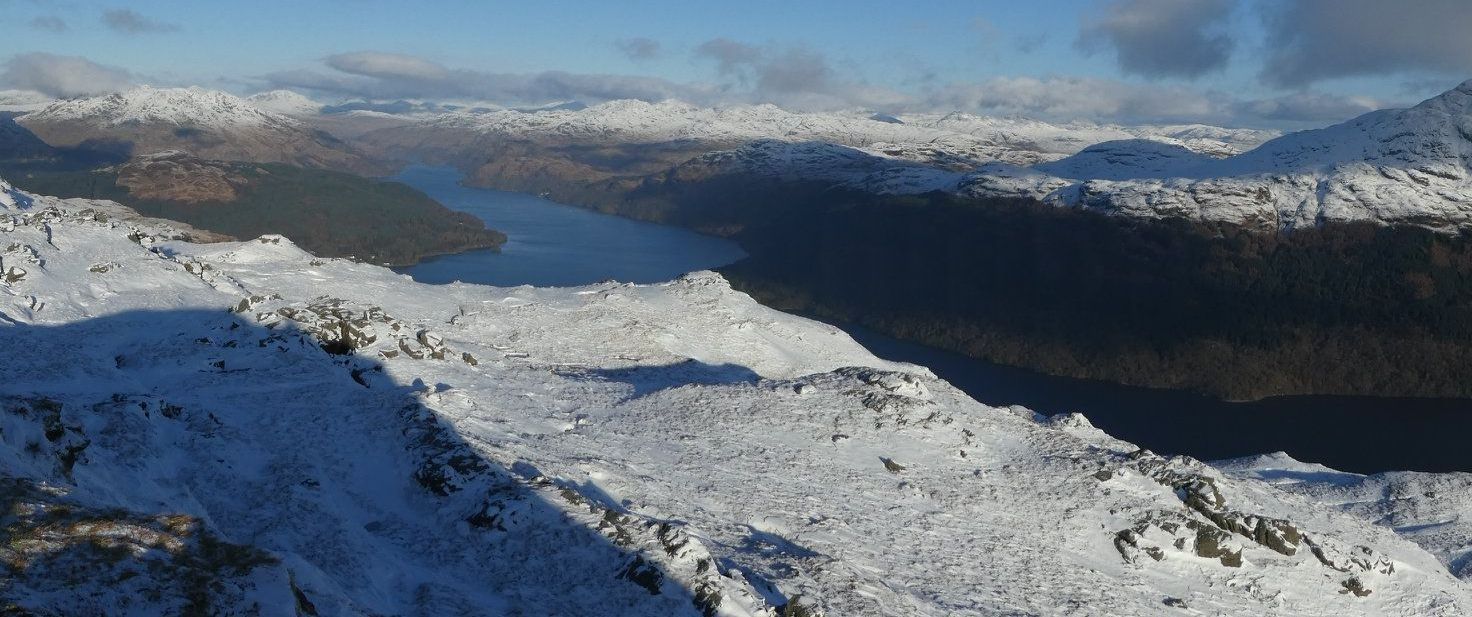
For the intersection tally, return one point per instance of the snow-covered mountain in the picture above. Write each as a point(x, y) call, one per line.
point(951, 138)
point(1395, 166)
point(147, 105)
point(207, 123)
point(245, 428)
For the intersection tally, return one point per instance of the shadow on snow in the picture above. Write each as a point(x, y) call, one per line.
point(370, 500)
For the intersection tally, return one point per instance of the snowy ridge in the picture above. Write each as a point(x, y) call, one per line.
point(610, 449)
point(961, 136)
point(209, 124)
point(189, 107)
point(1068, 138)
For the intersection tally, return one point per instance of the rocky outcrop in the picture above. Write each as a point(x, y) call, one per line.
point(1210, 529)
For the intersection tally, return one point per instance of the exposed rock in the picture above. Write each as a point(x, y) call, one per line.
point(891, 466)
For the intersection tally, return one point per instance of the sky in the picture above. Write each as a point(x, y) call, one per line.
point(1267, 63)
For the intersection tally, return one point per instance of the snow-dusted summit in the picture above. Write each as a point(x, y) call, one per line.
point(207, 123)
point(245, 429)
point(1396, 166)
point(184, 107)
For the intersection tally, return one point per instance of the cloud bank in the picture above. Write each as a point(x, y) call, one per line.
point(1162, 38)
point(1314, 40)
point(803, 80)
point(63, 76)
point(387, 76)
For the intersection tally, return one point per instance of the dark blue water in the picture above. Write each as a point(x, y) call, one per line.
point(554, 244)
point(551, 244)
point(1350, 433)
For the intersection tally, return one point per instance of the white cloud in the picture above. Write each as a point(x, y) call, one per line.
point(387, 66)
point(63, 76)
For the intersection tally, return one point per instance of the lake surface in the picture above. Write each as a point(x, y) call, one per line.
point(1349, 433)
point(551, 244)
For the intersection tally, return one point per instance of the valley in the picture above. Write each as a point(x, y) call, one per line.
point(1125, 308)
point(1019, 267)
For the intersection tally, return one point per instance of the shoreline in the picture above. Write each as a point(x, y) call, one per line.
point(445, 253)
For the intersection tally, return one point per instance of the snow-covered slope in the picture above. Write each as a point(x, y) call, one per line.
point(1399, 166)
point(1124, 160)
point(177, 433)
point(207, 123)
point(1432, 509)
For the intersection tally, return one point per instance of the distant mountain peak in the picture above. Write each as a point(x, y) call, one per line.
point(192, 106)
point(211, 124)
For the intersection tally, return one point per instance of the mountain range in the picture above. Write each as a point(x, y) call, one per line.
point(1390, 166)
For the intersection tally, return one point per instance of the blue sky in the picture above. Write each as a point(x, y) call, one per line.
point(1044, 58)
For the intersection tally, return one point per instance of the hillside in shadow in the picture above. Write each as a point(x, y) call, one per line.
point(191, 459)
